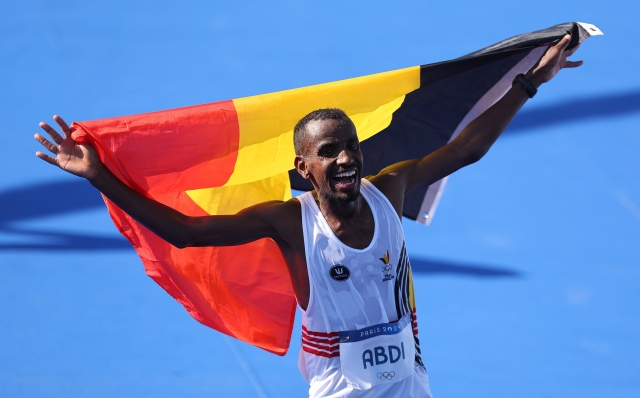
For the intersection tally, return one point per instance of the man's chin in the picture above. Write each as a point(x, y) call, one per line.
point(347, 196)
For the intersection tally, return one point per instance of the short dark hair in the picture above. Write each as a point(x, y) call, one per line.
point(299, 132)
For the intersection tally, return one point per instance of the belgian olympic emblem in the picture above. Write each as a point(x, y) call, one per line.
point(386, 375)
point(387, 269)
point(339, 273)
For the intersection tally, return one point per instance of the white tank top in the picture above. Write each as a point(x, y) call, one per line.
point(353, 289)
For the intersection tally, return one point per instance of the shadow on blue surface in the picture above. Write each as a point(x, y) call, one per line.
point(574, 110)
point(53, 199)
point(426, 266)
point(60, 241)
point(48, 199)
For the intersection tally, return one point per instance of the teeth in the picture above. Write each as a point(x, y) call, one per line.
point(346, 174)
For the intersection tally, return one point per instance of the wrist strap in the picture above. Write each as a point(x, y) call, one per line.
point(529, 87)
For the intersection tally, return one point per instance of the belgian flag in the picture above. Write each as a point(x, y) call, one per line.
point(222, 157)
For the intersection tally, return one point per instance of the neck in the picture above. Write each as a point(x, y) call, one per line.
point(334, 208)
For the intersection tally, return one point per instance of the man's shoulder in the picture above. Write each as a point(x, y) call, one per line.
point(285, 217)
point(291, 206)
point(282, 215)
point(387, 184)
point(277, 208)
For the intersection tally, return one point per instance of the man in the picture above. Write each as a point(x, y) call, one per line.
point(342, 242)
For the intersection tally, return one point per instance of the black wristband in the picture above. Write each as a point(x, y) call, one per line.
point(526, 85)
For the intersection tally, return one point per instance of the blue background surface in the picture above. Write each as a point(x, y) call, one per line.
point(527, 280)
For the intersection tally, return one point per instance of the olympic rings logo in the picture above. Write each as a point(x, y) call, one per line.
point(386, 375)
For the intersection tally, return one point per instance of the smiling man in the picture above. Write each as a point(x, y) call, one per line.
point(343, 242)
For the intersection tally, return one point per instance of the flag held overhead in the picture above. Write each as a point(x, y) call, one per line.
point(220, 158)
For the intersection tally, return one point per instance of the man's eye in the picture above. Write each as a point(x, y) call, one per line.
point(353, 147)
point(326, 152)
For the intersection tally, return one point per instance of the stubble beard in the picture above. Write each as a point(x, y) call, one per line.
point(348, 197)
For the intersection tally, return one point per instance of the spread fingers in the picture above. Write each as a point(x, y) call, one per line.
point(52, 133)
point(47, 158)
point(46, 143)
point(63, 125)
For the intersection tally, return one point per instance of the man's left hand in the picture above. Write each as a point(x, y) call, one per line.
point(554, 59)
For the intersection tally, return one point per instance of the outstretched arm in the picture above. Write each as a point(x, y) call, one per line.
point(475, 140)
point(176, 228)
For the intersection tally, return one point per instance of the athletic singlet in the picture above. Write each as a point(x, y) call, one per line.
point(353, 289)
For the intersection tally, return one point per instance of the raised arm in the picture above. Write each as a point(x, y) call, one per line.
point(174, 227)
point(475, 140)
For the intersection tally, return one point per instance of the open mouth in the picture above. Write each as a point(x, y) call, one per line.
point(345, 179)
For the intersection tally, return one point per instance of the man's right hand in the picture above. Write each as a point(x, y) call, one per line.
point(80, 160)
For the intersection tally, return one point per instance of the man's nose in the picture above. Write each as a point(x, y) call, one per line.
point(345, 157)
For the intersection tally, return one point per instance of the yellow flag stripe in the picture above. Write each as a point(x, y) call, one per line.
point(267, 121)
point(231, 199)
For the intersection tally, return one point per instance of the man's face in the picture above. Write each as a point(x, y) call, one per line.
point(333, 159)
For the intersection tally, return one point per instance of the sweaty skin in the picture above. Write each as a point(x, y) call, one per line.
point(331, 159)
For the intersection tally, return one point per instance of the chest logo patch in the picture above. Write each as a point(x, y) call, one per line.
point(387, 270)
point(339, 273)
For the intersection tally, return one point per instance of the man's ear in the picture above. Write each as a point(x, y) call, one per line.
point(301, 166)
